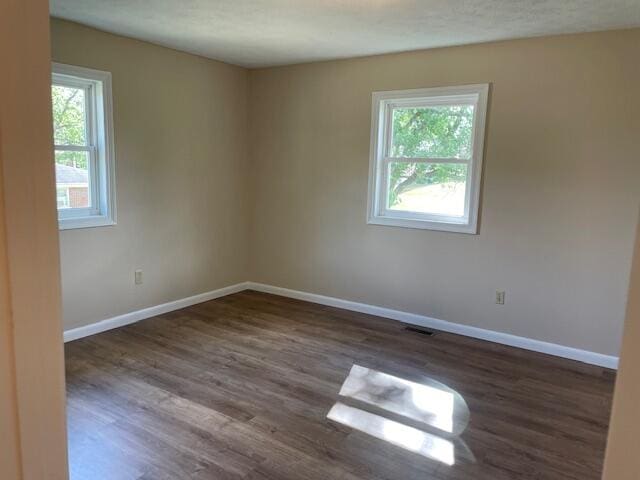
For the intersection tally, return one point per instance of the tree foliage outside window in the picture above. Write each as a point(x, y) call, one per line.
point(432, 132)
point(68, 106)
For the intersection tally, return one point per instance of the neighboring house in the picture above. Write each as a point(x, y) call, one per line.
point(72, 187)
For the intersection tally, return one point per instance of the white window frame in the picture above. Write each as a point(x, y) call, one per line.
point(99, 134)
point(383, 104)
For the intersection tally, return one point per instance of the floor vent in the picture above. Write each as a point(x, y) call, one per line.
point(421, 331)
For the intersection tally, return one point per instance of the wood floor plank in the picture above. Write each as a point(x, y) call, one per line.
point(240, 387)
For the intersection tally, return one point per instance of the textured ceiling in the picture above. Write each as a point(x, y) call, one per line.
point(255, 33)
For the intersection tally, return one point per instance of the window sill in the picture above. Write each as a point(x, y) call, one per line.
point(85, 222)
point(467, 228)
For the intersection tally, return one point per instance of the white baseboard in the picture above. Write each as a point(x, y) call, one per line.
point(133, 317)
point(411, 318)
point(571, 353)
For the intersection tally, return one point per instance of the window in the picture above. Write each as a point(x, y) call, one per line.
point(62, 197)
point(426, 157)
point(83, 144)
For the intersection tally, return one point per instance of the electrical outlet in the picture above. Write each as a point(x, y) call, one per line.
point(138, 277)
point(499, 297)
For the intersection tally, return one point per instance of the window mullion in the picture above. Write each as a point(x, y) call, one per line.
point(72, 148)
point(459, 161)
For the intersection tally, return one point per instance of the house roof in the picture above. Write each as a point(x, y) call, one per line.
point(70, 175)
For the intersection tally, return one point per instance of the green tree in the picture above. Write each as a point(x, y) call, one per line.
point(434, 132)
point(68, 108)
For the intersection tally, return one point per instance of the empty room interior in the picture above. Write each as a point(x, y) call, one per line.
point(299, 240)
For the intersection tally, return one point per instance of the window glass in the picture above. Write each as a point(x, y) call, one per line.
point(433, 132)
point(72, 175)
point(62, 197)
point(69, 110)
point(436, 188)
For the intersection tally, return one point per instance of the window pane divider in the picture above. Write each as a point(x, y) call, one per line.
point(74, 148)
point(464, 161)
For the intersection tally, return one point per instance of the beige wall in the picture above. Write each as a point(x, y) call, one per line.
point(622, 461)
point(215, 186)
point(32, 423)
point(180, 138)
point(559, 198)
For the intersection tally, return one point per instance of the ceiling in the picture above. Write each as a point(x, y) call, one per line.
point(258, 33)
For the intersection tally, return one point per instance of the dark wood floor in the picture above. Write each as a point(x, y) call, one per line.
point(240, 388)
